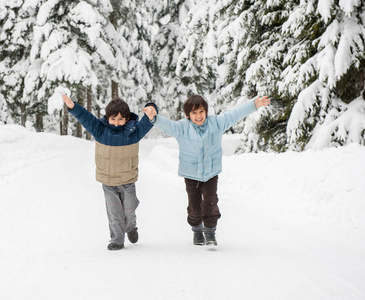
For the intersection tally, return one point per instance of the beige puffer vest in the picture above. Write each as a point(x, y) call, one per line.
point(116, 165)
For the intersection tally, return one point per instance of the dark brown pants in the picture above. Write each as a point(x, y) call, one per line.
point(203, 202)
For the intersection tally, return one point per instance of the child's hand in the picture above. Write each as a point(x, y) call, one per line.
point(264, 101)
point(68, 101)
point(150, 111)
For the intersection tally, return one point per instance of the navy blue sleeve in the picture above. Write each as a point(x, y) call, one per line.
point(91, 123)
point(142, 127)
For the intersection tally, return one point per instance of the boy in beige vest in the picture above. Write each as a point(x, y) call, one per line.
point(117, 137)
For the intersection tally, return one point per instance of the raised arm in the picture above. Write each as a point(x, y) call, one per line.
point(229, 118)
point(145, 124)
point(168, 126)
point(91, 123)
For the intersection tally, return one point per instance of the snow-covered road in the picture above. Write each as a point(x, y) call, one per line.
point(292, 225)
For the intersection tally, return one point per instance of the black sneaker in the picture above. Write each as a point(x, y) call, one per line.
point(133, 235)
point(198, 238)
point(210, 239)
point(115, 246)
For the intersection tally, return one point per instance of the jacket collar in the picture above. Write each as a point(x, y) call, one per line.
point(200, 128)
point(127, 126)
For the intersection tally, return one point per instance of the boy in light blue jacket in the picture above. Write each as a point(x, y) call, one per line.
point(200, 158)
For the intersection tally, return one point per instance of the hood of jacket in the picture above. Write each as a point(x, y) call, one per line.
point(133, 118)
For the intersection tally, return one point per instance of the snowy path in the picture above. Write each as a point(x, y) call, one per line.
point(298, 236)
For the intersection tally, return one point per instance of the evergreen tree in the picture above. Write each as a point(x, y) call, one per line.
point(260, 53)
point(197, 62)
point(135, 58)
point(16, 23)
point(307, 55)
point(73, 47)
point(324, 71)
point(170, 90)
point(238, 45)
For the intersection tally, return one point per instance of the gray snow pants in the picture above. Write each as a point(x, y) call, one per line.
point(121, 204)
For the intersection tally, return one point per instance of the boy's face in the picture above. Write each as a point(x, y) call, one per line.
point(198, 116)
point(117, 120)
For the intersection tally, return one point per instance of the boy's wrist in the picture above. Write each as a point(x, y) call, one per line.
point(71, 105)
point(152, 104)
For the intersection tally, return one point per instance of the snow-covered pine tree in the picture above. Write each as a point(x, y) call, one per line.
point(167, 44)
point(237, 32)
point(16, 26)
point(238, 37)
point(259, 52)
point(243, 49)
point(324, 72)
point(135, 58)
point(198, 60)
point(72, 49)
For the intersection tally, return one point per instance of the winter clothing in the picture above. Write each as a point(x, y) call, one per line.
point(114, 246)
point(133, 235)
point(200, 162)
point(121, 204)
point(199, 239)
point(116, 165)
point(103, 132)
point(210, 239)
point(202, 202)
point(116, 158)
point(116, 149)
point(200, 147)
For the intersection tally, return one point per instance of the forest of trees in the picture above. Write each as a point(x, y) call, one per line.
point(308, 56)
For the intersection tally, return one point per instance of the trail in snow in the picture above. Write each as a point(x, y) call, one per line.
point(292, 225)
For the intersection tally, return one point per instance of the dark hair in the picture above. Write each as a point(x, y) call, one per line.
point(117, 106)
point(193, 103)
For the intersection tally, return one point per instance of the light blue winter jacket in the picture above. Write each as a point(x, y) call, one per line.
point(200, 147)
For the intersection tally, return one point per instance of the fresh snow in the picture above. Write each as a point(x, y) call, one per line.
point(292, 225)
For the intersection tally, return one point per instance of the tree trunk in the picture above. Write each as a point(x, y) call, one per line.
point(114, 90)
point(81, 101)
point(23, 117)
point(64, 122)
point(88, 107)
point(60, 122)
point(39, 123)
